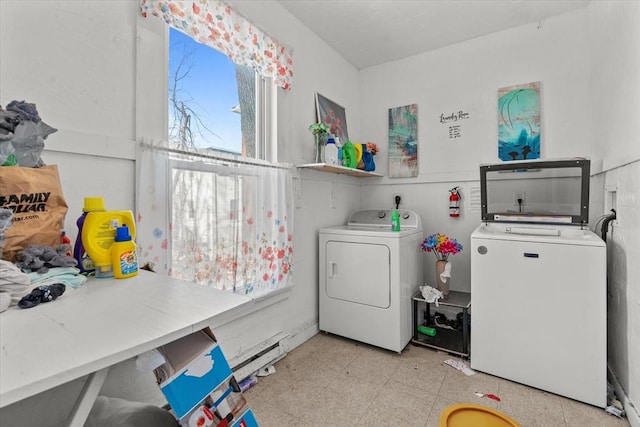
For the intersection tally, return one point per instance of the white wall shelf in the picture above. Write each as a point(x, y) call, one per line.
point(338, 169)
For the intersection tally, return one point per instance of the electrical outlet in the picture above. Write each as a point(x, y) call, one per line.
point(397, 198)
point(519, 198)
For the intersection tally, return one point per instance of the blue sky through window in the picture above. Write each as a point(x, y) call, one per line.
point(210, 89)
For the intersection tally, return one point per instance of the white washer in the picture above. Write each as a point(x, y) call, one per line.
point(368, 274)
point(539, 307)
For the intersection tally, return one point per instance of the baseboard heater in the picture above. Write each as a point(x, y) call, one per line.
point(263, 355)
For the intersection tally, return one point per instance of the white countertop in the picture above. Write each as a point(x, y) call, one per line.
point(104, 322)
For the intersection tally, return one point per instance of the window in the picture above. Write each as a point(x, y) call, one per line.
point(214, 106)
point(212, 206)
point(213, 103)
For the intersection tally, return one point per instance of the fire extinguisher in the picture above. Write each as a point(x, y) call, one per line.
point(454, 202)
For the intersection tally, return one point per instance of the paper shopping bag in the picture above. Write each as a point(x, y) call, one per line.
point(35, 197)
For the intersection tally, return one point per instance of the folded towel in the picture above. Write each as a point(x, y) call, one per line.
point(14, 284)
point(69, 276)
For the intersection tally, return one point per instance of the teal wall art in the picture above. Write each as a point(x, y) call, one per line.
point(403, 141)
point(519, 122)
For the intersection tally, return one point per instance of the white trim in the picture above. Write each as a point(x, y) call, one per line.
point(71, 141)
point(301, 335)
point(269, 358)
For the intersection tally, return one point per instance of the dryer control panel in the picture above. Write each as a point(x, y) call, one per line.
point(382, 218)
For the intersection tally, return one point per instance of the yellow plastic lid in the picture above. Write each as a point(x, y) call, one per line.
point(358, 148)
point(93, 204)
point(469, 414)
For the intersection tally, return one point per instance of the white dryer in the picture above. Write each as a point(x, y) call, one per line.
point(367, 276)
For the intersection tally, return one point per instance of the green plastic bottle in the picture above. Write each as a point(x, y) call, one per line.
point(427, 330)
point(395, 220)
point(349, 155)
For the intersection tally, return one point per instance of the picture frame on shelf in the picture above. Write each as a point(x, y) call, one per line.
point(333, 115)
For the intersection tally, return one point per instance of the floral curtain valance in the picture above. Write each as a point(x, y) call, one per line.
point(215, 24)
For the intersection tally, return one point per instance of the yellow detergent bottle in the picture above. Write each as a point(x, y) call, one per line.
point(91, 204)
point(98, 234)
point(124, 258)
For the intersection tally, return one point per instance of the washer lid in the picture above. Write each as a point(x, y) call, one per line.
point(357, 231)
point(381, 219)
point(564, 235)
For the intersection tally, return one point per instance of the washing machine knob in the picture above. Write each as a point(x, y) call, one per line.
point(381, 214)
point(405, 215)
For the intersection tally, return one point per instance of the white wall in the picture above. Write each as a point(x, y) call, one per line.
point(614, 40)
point(466, 76)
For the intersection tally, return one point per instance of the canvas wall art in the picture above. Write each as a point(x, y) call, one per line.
point(334, 115)
point(403, 141)
point(519, 122)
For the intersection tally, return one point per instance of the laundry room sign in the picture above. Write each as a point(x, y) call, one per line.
point(453, 122)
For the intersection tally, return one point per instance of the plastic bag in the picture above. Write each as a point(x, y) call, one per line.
point(430, 294)
point(28, 142)
point(7, 153)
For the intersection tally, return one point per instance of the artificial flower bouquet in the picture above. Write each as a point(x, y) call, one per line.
point(441, 245)
point(372, 148)
point(319, 128)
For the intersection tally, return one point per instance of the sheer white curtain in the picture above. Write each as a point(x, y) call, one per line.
point(221, 222)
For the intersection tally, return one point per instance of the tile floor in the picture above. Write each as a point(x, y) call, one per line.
point(332, 381)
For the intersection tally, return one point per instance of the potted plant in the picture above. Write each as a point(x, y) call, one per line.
point(320, 132)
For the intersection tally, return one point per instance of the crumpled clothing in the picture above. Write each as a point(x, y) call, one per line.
point(43, 293)
point(5, 301)
point(26, 110)
point(9, 120)
point(14, 284)
point(22, 133)
point(69, 276)
point(431, 295)
point(41, 258)
point(5, 136)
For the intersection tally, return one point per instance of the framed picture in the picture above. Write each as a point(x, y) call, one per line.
point(519, 122)
point(333, 115)
point(403, 141)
